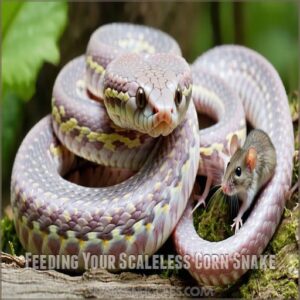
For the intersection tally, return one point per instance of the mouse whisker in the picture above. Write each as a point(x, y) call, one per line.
point(214, 196)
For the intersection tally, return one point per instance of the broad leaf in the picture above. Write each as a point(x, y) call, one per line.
point(30, 31)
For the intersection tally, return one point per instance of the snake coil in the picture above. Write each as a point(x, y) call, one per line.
point(55, 216)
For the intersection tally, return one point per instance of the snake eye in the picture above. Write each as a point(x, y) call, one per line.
point(140, 98)
point(178, 96)
point(238, 171)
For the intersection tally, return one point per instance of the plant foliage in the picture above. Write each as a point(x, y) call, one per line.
point(30, 31)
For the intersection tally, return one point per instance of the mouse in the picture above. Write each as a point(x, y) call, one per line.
point(250, 167)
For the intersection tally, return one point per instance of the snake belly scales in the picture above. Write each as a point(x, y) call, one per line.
point(155, 135)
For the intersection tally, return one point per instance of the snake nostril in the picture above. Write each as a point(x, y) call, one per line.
point(172, 110)
point(154, 110)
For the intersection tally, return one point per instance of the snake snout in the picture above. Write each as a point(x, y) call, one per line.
point(164, 122)
point(163, 116)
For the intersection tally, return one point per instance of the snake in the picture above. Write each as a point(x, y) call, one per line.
point(131, 103)
point(266, 107)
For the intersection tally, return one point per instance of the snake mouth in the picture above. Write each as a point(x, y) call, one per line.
point(162, 128)
point(163, 124)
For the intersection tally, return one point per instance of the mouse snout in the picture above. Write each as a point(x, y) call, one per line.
point(225, 188)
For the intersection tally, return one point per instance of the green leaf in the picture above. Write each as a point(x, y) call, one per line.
point(30, 33)
point(8, 16)
point(12, 122)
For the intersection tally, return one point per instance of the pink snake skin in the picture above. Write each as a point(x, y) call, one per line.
point(136, 216)
point(266, 107)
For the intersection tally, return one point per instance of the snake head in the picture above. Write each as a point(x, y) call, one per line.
point(148, 93)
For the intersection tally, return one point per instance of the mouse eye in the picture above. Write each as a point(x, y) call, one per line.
point(140, 98)
point(178, 96)
point(228, 164)
point(238, 171)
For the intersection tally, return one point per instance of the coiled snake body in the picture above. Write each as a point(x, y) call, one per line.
point(146, 123)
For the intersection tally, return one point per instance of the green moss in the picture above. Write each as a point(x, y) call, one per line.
point(295, 173)
point(260, 287)
point(269, 284)
point(213, 223)
point(282, 282)
point(286, 233)
point(294, 104)
point(9, 240)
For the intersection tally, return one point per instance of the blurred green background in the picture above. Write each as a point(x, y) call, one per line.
point(39, 38)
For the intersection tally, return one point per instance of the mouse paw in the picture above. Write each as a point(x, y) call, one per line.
point(237, 223)
point(200, 200)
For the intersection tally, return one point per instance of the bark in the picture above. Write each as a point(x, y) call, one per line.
point(19, 282)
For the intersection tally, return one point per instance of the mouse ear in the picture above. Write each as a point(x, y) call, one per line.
point(251, 158)
point(234, 144)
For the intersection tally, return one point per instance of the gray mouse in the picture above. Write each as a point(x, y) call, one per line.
point(250, 167)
